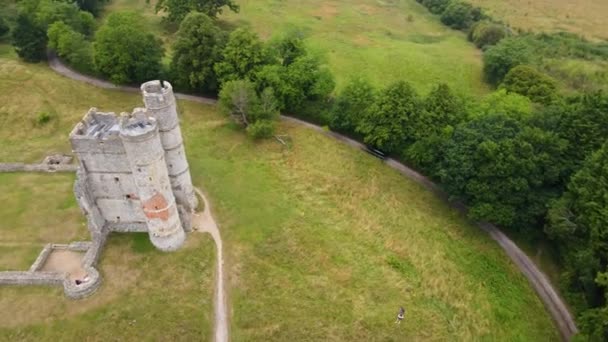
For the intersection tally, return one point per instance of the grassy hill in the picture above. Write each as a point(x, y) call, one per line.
point(583, 17)
point(382, 40)
point(323, 242)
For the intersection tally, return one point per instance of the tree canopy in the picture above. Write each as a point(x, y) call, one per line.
point(177, 10)
point(197, 48)
point(29, 39)
point(505, 170)
point(502, 57)
point(243, 56)
point(124, 52)
point(578, 222)
point(529, 82)
point(388, 123)
point(351, 105)
point(257, 114)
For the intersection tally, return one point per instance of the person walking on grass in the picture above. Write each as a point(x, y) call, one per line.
point(400, 315)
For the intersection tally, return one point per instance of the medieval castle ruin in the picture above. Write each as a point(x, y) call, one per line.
point(133, 176)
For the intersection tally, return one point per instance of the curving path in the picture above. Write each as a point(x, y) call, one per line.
point(558, 310)
point(205, 223)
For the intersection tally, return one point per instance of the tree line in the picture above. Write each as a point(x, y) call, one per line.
point(528, 157)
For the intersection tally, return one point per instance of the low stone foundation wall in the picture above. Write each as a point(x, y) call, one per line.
point(37, 265)
point(71, 289)
point(31, 278)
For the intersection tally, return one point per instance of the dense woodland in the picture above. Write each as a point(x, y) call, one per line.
point(531, 157)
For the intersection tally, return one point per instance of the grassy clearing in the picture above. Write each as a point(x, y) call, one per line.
point(584, 17)
point(326, 246)
point(382, 40)
point(26, 93)
point(42, 209)
point(146, 295)
point(323, 242)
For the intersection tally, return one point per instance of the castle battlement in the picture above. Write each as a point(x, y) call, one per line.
point(133, 176)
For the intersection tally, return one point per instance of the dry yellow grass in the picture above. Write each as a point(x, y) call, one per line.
point(584, 17)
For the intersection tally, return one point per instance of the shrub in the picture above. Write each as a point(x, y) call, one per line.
point(502, 57)
point(261, 129)
point(435, 6)
point(529, 82)
point(239, 100)
point(485, 33)
point(460, 15)
point(43, 118)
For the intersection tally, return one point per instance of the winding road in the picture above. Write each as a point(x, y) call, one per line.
point(554, 304)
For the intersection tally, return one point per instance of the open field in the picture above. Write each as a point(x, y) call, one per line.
point(382, 40)
point(146, 295)
point(140, 298)
point(584, 17)
point(323, 242)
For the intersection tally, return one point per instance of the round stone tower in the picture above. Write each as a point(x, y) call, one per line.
point(160, 104)
point(142, 143)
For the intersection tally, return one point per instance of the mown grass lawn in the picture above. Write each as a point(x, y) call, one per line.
point(323, 242)
point(384, 41)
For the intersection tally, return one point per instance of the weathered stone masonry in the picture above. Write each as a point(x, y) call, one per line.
point(133, 174)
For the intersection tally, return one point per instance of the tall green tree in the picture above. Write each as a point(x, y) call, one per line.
point(288, 47)
point(505, 170)
point(197, 48)
point(460, 15)
point(351, 105)
point(441, 108)
point(177, 10)
point(242, 57)
point(305, 79)
point(442, 111)
point(388, 124)
point(124, 52)
point(581, 120)
point(578, 222)
point(29, 39)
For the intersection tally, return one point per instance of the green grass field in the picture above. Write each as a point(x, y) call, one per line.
point(384, 41)
point(323, 242)
point(584, 17)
